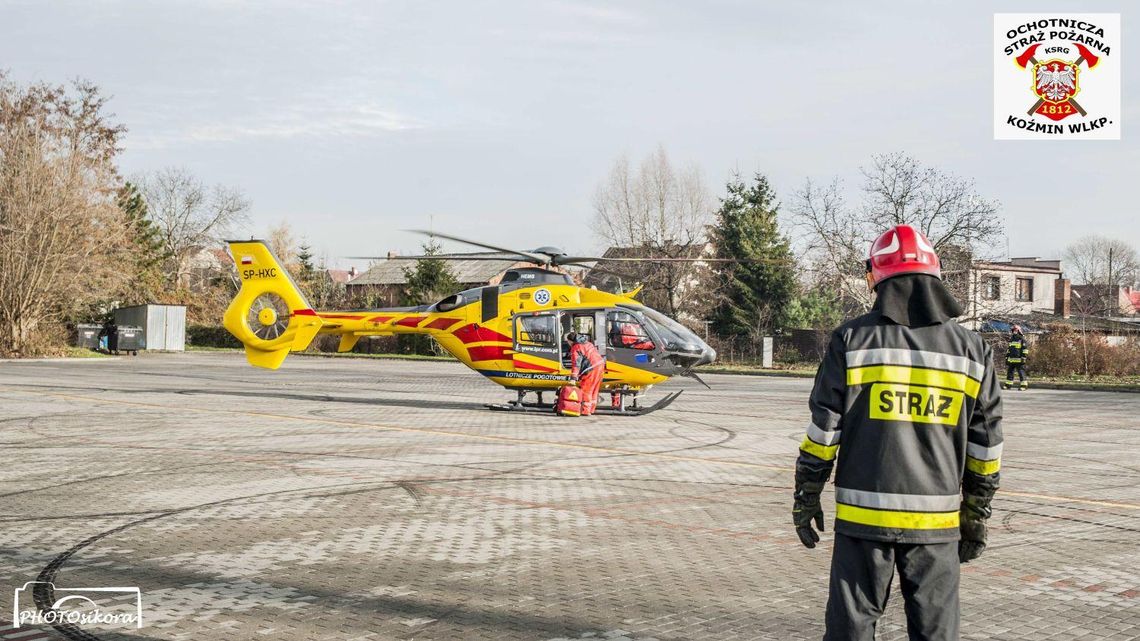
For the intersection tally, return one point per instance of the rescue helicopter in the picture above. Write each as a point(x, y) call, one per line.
point(511, 332)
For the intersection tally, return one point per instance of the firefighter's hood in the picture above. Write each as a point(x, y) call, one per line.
point(916, 300)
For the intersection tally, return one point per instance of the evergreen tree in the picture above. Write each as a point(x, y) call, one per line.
point(814, 309)
point(305, 263)
point(426, 281)
point(148, 250)
point(754, 295)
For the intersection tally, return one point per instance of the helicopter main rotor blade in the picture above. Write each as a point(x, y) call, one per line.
point(562, 260)
point(440, 257)
point(538, 258)
point(601, 270)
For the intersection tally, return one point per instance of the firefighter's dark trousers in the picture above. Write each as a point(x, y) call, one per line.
point(861, 574)
point(1011, 368)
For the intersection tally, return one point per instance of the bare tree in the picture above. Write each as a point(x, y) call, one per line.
point(189, 215)
point(1106, 264)
point(657, 212)
point(834, 242)
point(63, 237)
point(897, 189)
point(946, 208)
point(1097, 260)
point(284, 246)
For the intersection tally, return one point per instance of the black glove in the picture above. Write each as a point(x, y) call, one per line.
point(805, 510)
point(973, 541)
point(972, 524)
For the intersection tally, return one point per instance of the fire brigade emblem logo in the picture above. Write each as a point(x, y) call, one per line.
point(1055, 82)
point(1058, 58)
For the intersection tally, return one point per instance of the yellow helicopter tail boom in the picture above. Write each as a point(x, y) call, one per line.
point(269, 314)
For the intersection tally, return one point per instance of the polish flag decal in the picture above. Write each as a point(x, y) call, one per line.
point(247, 260)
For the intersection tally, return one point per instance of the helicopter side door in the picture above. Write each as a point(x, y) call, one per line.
point(583, 321)
point(536, 342)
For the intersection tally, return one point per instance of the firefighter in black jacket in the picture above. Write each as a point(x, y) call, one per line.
point(1016, 356)
point(907, 406)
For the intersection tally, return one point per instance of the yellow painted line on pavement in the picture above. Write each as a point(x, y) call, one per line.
point(526, 441)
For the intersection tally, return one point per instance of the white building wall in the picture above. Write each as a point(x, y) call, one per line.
point(1006, 303)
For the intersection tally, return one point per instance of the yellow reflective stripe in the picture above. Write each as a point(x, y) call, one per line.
point(898, 520)
point(984, 468)
point(825, 452)
point(913, 376)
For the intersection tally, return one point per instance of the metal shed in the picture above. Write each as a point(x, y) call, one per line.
point(164, 326)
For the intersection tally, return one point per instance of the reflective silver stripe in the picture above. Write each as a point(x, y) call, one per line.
point(983, 453)
point(823, 437)
point(899, 502)
point(915, 358)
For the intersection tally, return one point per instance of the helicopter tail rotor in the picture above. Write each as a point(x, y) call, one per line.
point(269, 315)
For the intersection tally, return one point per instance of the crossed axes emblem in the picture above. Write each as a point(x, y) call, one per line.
point(1026, 59)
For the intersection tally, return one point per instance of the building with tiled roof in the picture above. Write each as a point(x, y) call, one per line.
point(384, 280)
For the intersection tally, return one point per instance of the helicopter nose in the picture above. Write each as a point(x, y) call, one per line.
point(708, 355)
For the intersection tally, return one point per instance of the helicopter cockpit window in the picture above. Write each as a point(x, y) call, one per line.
point(537, 331)
point(677, 337)
point(624, 330)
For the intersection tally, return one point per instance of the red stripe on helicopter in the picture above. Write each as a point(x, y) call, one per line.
point(304, 312)
point(380, 319)
point(472, 333)
point(531, 366)
point(488, 353)
point(410, 321)
point(442, 323)
point(344, 316)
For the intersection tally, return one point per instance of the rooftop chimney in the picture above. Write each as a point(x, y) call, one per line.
point(392, 254)
point(1062, 297)
point(352, 272)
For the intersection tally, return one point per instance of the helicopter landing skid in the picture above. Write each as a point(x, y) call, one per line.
point(540, 407)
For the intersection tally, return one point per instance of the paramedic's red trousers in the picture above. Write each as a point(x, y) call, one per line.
point(591, 383)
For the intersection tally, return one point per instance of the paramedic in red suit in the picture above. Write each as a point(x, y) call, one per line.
point(587, 367)
point(633, 339)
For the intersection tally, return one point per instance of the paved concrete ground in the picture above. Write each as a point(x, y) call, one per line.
point(338, 499)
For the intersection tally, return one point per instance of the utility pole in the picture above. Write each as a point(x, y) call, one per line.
point(1109, 294)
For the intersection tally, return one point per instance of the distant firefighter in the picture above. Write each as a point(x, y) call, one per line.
point(1016, 356)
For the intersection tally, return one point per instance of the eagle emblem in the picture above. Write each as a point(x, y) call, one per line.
point(1055, 81)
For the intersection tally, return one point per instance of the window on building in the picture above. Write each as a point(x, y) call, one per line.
point(1024, 291)
point(991, 287)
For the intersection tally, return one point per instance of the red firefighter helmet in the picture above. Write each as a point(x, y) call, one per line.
point(902, 250)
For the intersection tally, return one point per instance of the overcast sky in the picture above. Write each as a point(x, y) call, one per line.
point(497, 120)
